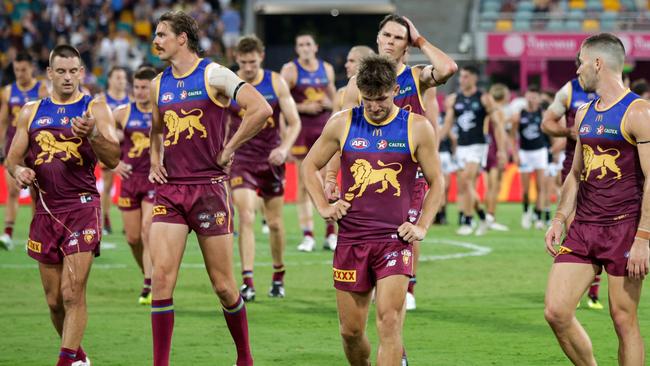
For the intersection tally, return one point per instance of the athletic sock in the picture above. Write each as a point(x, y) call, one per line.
point(412, 282)
point(595, 286)
point(525, 202)
point(235, 316)
point(248, 278)
point(329, 228)
point(468, 220)
point(107, 221)
point(66, 357)
point(461, 218)
point(146, 287)
point(9, 228)
point(307, 232)
point(81, 355)
point(538, 214)
point(547, 215)
point(278, 273)
point(162, 325)
point(481, 214)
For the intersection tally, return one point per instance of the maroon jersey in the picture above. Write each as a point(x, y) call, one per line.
point(259, 147)
point(194, 126)
point(577, 98)
point(312, 86)
point(64, 164)
point(611, 186)
point(378, 174)
point(135, 146)
point(17, 98)
point(409, 96)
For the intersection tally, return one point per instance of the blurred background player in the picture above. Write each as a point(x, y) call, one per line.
point(495, 166)
point(531, 154)
point(468, 109)
point(116, 95)
point(559, 121)
point(445, 151)
point(311, 81)
point(136, 192)
point(641, 88)
point(354, 57)
point(12, 98)
point(258, 166)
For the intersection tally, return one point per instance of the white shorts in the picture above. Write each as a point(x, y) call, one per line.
point(447, 162)
point(554, 169)
point(531, 160)
point(230, 39)
point(476, 153)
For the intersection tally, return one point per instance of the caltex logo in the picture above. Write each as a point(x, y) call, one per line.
point(382, 144)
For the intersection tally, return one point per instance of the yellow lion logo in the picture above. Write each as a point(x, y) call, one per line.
point(176, 125)
point(140, 142)
point(51, 146)
point(601, 161)
point(314, 95)
point(364, 174)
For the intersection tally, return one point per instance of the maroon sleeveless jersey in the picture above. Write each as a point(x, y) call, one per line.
point(135, 146)
point(409, 96)
point(312, 86)
point(259, 147)
point(64, 164)
point(194, 126)
point(378, 175)
point(577, 98)
point(611, 186)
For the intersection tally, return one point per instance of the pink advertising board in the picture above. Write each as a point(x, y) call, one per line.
point(557, 45)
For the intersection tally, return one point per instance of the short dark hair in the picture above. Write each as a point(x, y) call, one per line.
point(534, 88)
point(24, 57)
point(608, 43)
point(183, 23)
point(399, 20)
point(145, 73)
point(376, 75)
point(249, 44)
point(640, 86)
point(472, 69)
point(65, 51)
point(117, 68)
point(309, 33)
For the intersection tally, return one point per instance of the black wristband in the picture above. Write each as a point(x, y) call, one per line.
point(234, 94)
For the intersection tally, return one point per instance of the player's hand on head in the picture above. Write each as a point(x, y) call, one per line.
point(84, 126)
point(415, 34)
point(157, 174)
point(411, 233)
point(123, 169)
point(637, 263)
point(278, 156)
point(25, 177)
point(553, 236)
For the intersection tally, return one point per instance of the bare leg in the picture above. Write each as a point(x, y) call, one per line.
point(624, 296)
point(74, 278)
point(390, 308)
point(353, 316)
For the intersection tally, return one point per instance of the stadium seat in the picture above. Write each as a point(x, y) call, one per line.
point(573, 25)
point(555, 25)
point(487, 25)
point(577, 4)
point(521, 25)
point(611, 5)
point(524, 15)
point(490, 15)
point(576, 14)
point(590, 25)
point(526, 6)
point(608, 21)
point(594, 6)
point(504, 25)
point(491, 6)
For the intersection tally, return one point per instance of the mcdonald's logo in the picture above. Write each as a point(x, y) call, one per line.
point(180, 84)
point(61, 110)
point(599, 118)
point(376, 132)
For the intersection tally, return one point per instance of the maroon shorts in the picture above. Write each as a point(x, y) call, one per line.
point(204, 208)
point(358, 267)
point(305, 140)
point(263, 177)
point(492, 161)
point(419, 190)
point(133, 191)
point(49, 240)
point(607, 246)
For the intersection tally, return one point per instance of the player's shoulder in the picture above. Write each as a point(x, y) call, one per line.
point(288, 66)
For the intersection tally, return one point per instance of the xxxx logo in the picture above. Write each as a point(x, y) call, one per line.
point(342, 275)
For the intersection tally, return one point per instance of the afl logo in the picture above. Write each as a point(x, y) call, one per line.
point(167, 97)
point(382, 144)
point(585, 129)
point(359, 143)
point(44, 121)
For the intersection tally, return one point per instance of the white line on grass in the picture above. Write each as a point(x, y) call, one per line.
point(475, 250)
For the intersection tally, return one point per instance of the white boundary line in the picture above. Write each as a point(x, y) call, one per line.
point(475, 250)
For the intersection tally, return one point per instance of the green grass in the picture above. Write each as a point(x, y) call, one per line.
point(473, 310)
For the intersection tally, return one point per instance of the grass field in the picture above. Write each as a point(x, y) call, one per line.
point(480, 302)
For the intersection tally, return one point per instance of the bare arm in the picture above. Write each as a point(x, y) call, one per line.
point(638, 128)
point(4, 113)
point(290, 74)
point(98, 126)
point(157, 172)
point(497, 118)
point(514, 132)
point(16, 157)
point(291, 118)
point(351, 97)
point(324, 148)
point(331, 88)
point(551, 122)
point(442, 66)
point(449, 117)
point(120, 115)
point(338, 100)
